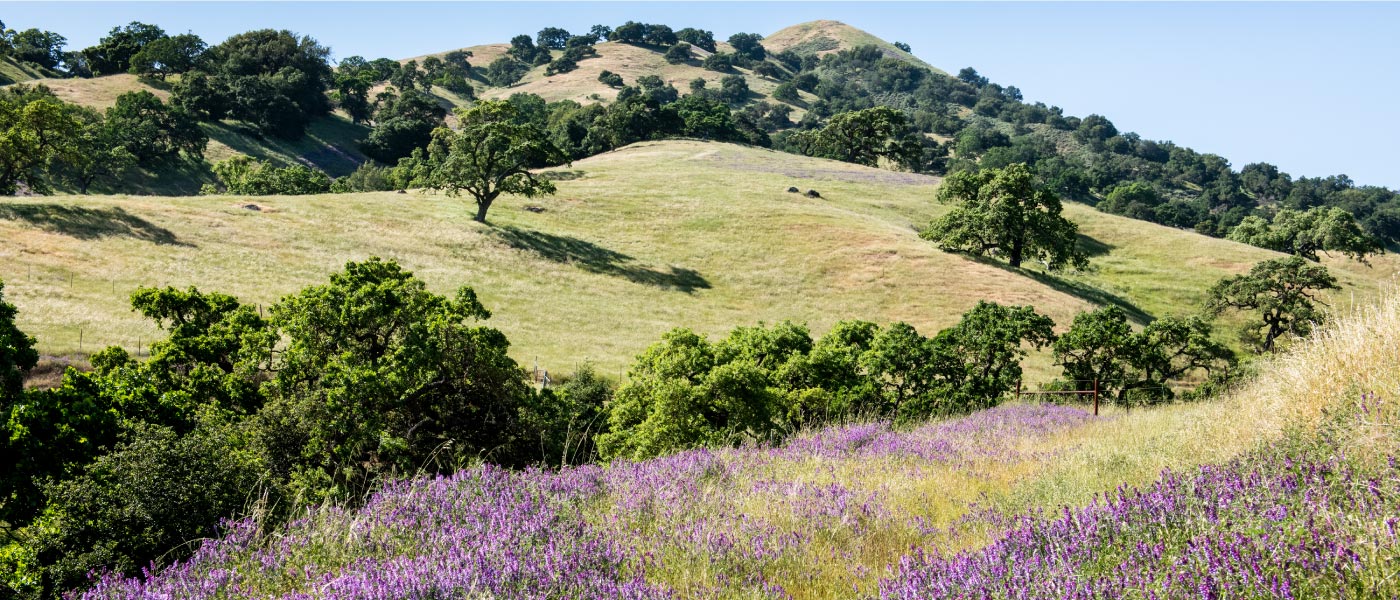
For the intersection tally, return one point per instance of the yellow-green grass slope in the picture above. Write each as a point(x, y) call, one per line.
point(653, 236)
point(825, 37)
point(331, 143)
point(13, 71)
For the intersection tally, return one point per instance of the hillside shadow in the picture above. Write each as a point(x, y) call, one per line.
point(597, 259)
point(1091, 246)
point(1081, 290)
point(89, 223)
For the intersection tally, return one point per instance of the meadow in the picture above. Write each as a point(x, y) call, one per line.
point(637, 241)
point(1286, 487)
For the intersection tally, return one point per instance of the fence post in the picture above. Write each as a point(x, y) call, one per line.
point(1018, 389)
point(1096, 396)
point(80, 339)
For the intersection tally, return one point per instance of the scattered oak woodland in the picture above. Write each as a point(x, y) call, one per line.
point(755, 393)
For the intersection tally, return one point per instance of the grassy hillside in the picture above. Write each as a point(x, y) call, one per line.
point(650, 237)
point(331, 143)
point(630, 61)
point(633, 61)
point(13, 71)
point(825, 37)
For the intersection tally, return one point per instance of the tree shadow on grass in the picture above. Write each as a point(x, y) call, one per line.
point(1091, 246)
point(1078, 289)
point(597, 259)
point(89, 223)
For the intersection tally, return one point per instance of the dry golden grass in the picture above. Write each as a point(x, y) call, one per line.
point(833, 36)
point(650, 237)
point(101, 92)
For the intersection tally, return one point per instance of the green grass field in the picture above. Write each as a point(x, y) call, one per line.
point(646, 238)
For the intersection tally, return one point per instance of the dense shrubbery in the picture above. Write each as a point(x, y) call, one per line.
point(121, 465)
point(44, 137)
point(372, 377)
point(761, 383)
point(270, 79)
point(248, 176)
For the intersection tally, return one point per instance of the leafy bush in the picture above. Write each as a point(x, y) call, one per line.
point(248, 176)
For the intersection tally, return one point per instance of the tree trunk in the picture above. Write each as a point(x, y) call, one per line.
point(481, 207)
point(1018, 247)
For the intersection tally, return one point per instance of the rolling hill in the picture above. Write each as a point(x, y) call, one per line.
point(637, 241)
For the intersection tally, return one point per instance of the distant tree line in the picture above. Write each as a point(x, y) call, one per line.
point(278, 83)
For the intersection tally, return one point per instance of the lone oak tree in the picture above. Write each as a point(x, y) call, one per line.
point(491, 154)
point(1279, 290)
point(1003, 211)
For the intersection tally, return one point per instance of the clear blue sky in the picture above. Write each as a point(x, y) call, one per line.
point(1312, 88)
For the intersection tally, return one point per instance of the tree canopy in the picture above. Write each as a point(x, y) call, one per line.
point(1306, 233)
point(1282, 294)
point(270, 79)
point(490, 154)
point(1006, 213)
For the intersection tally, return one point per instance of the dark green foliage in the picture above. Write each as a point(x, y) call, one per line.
point(678, 54)
point(719, 61)
point(761, 383)
point(211, 359)
point(1004, 212)
point(202, 96)
point(861, 137)
point(505, 71)
point(1101, 351)
point(152, 131)
point(248, 176)
point(523, 49)
point(382, 377)
point(610, 79)
point(563, 64)
point(43, 48)
point(699, 38)
point(50, 434)
point(17, 354)
point(552, 38)
point(270, 79)
point(787, 92)
point(747, 45)
point(34, 128)
point(630, 32)
point(96, 153)
point(734, 89)
point(769, 70)
point(566, 418)
point(137, 503)
point(659, 35)
point(409, 77)
point(1095, 130)
point(1136, 199)
point(1306, 233)
point(368, 177)
point(169, 56)
point(1281, 294)
point(903, 46)
point(490, 154)
point(403, 123)
point(113, 54)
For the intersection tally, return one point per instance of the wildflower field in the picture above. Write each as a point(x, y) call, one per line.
point(1286, 488)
